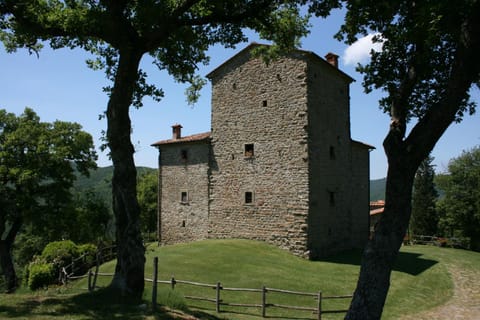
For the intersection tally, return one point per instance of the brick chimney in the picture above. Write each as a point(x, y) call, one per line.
point(177, 131)
point(332, 58)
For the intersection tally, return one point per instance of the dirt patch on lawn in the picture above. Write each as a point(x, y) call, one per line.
point(465, 303)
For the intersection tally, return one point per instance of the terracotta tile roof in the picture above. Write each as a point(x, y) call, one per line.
point(191, 138)
point(377, 207)
point(376, 211)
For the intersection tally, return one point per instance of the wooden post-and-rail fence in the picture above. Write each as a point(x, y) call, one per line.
point(263, 304)
point(218, 301)
point(76, 269)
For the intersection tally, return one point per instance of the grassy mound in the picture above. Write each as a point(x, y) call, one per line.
point(420, 281)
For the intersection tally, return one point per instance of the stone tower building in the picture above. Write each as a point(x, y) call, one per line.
point(279, 164)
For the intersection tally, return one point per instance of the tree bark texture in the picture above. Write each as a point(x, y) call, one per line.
point(6, 260)
point(129, 271)
point(404, 157)
point(382, 250)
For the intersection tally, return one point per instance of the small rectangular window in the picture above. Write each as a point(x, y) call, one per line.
point(184, 155)
point(332, 153)
point(332, 198)
point(264, 103)
point(184, 197)
point(249, 150)
point(248, 197)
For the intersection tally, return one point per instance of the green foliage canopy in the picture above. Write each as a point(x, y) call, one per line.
point(147, 199)
point(424, 215)
point(460, 206)
point(177, 34)
point(37, 161)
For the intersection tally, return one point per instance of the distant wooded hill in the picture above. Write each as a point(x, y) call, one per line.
point(100, 182)
point(377, 189)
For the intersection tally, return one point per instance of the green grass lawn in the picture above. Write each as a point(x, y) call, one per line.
point(419, 281)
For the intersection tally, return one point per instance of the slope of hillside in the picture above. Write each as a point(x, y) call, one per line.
point(420, 278)
point(100, 181)
point(377, 189)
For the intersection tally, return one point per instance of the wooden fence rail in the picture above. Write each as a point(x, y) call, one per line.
point(263, 305)
point(81, 264)
point(439, 241)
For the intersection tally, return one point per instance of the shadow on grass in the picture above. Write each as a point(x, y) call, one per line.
point(407, 262)
point(102, 305)
point(256, 315)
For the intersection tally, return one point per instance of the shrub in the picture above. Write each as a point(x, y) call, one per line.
point(26, 246)
point(90, 252)
point(56, 255)
point(88, 249)
point(60, 253)
point(26, 274)
point(40, 274)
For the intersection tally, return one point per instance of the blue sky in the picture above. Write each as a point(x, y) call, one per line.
point(58, 85)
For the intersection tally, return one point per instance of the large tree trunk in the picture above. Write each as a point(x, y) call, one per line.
point(404, 157)
point(7, 266)
point(129, 271)
point(382, 250)
point(6, 260)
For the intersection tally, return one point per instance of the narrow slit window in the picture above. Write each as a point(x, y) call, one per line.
point(249, 151)
point(184, 197)
point(332, 198)
point(264, 103)
point(332, 153)
point(248, 197)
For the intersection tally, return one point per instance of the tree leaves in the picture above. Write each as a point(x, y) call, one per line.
point(36, 158)
point(461, 205)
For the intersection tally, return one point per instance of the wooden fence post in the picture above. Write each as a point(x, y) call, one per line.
point(173, 282)
point(217, 300)
point(319, 305)
point(89, 280)
point(264, 302)
point(97, 267)
point(154, 284)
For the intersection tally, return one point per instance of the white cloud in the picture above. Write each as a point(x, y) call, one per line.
point(359, 51)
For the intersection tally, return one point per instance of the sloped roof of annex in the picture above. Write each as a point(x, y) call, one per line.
point(205, 136)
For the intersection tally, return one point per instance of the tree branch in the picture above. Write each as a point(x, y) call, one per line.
point(465, 72)
point(184, 7)
point(219, 17)
point(12, 233)
point(178, 19)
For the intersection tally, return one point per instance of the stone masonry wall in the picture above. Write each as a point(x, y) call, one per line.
point(360, 195)
point(264, 106)
point(280, 166)
point(330, 160)
point(183, 220)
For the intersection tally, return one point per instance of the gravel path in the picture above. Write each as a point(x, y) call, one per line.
point(465, 303)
